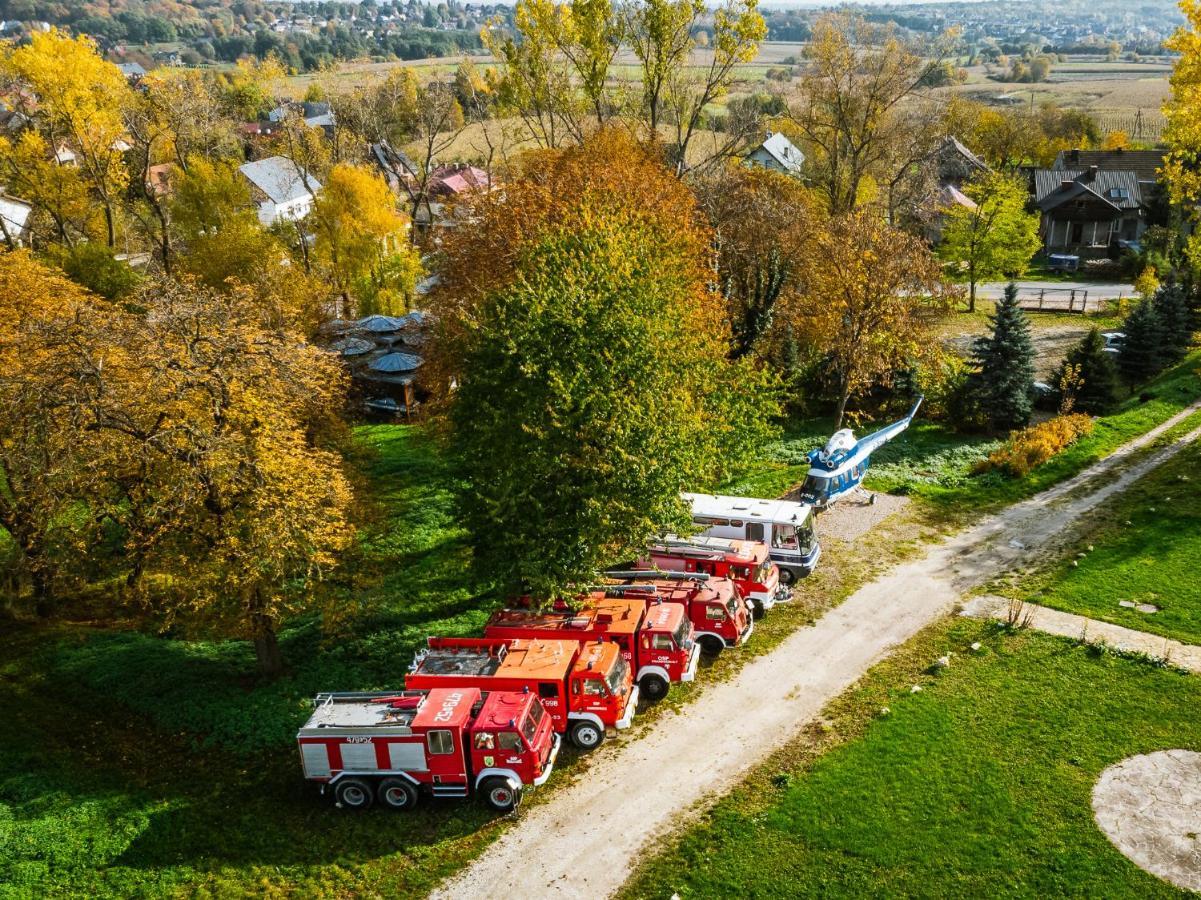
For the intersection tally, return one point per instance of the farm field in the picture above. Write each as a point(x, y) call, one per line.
point(979, 785)
point(1115, 93)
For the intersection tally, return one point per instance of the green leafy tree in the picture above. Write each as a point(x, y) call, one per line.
point(1001, 386)
point(590, 359)
point(996, 237)
point(1089, 375)
point(1142, 353)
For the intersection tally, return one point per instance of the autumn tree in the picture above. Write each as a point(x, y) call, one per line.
point(76, 100)
point(361, 241)
point(869, 290)
point(993, 237)
point(762, 221)
point(243, 504)
point(661, 34)
point(858, 75)
point(47, 459)
point(556, 68)
point(1182, 171)
point(62, 209)
point(178, 115)
point(590, 360)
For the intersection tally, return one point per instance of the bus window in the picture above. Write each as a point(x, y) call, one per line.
point(754, 531)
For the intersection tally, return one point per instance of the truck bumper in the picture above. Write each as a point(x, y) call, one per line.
point(631, 707)
point(550, 762)
point(694, 659)
point(748, 631)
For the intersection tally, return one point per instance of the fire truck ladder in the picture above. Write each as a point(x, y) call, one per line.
point(656, 574)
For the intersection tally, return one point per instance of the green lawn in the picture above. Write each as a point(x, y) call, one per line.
point(1146, 549)
point(934, 464)
point(977, 786)
point(131, 764)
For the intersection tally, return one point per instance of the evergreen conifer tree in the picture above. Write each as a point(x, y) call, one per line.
point(1096, 384)
point(1142, 353)
point(1001, 387)
point(1176, 319)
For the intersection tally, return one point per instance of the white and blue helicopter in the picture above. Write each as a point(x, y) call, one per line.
point(838, 468)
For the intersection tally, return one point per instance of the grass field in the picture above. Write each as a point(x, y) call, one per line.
point(152, 765)
point(979, 785)
point(1146, 549)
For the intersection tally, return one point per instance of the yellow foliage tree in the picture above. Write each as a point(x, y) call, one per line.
point(361, 245)
point(77, 99)
point(1182, 170)
point(867, 291)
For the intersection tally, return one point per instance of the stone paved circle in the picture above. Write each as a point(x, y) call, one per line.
point(1150, 808)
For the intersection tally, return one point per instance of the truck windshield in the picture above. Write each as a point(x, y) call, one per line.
point(681, 634)
point(806, 539)
point(617, 676)
point(530, 726)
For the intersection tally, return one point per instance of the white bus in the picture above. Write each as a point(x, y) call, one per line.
point(786, 527)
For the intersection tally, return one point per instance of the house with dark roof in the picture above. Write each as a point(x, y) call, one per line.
point(778, 154)
point(1089, 212)
point(1145, 164)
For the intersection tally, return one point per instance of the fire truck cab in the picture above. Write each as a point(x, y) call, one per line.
point(720, 616)
point(397, 747)
point(585, 688)
point(656, 640)
point(746, 563)
point(786, 527)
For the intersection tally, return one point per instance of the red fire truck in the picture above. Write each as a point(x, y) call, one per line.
point(719, 614)
point(454, 742)
point(746, 563)
point(585, 688)
point(655, 639)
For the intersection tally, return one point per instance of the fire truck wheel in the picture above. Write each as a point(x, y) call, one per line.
point(759, 611)
point(711, 644)
point(353, 793)
point(587, 736)
point(654, 687)
point(498, 795)
point(396, 793)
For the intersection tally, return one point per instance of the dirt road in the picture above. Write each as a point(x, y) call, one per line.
point(584, 841)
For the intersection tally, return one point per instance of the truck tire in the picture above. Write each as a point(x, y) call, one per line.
point(398, 794)
point(587, 735)
point(653, 687)
point(353, 793)
point(499, 795)
point(786, 576)
point(711, 644)
point(758, 610)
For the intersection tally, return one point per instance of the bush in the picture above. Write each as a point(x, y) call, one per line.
point(1031, 447)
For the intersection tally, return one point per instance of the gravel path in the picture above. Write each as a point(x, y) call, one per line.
point(1069, 625)
point(587, 837)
